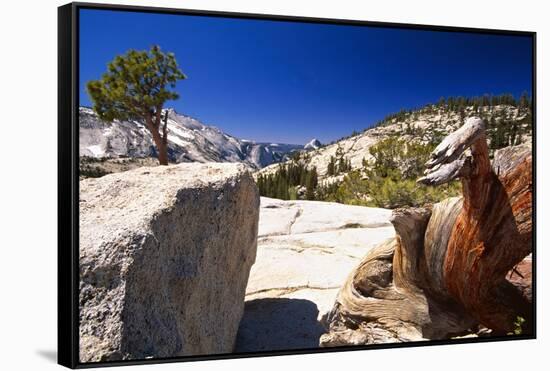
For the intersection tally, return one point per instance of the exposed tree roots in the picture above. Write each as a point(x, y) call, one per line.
point(448, 268)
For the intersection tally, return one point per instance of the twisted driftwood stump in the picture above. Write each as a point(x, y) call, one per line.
point(446, 270)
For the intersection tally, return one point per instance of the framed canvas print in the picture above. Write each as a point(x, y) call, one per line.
point(235, 185)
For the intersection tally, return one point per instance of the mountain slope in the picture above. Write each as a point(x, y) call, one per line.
point(426, 125)
point(189, 140)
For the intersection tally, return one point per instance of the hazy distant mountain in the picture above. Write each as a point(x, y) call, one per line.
point(189, 140)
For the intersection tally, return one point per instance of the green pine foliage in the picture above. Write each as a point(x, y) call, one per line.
point(331, 167)
point(391, 191)
point(135, 84)
point(135, 87)
point(389, 179)
point(458, 104)
point(338, 164)
point(482, 106)
point(344, 165)
point(287, 179)
point(389, 182)
point(504, 133)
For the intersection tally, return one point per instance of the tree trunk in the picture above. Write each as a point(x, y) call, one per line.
point(161, 142)
point(447, 270)
point(162, 152)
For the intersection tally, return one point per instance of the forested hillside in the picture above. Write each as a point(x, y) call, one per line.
point(380, 166)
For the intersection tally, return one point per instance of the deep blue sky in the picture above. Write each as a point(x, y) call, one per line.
point(288, 82)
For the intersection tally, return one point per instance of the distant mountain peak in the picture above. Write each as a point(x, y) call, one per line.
point(313, 144)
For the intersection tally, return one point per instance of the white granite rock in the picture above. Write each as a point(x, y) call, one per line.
point(306, 249)
point(165, 254)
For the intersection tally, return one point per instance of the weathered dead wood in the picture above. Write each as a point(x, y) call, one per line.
point(492, 234)
point(383, 301)
point(448, 268)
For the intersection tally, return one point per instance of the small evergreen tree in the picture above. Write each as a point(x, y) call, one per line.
point(331, 168)
point(342, 165)
point(311, 184)
point(135, 87)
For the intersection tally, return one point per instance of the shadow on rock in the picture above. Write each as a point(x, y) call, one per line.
point(279, 324)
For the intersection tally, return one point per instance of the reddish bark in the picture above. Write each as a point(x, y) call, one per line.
point(455, 265)
point(491, 235)
point(161, 141)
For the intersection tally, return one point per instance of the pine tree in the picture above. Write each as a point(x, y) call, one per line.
point(331, 168)
point(341, 165)
point(311, 184)
point(135, 87)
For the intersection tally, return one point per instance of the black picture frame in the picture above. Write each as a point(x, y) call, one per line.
point(68, 179)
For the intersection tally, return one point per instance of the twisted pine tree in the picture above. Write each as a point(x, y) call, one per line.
point(135, 87)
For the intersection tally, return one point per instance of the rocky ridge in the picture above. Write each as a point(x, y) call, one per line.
point(427, 125)
point(189, 140)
